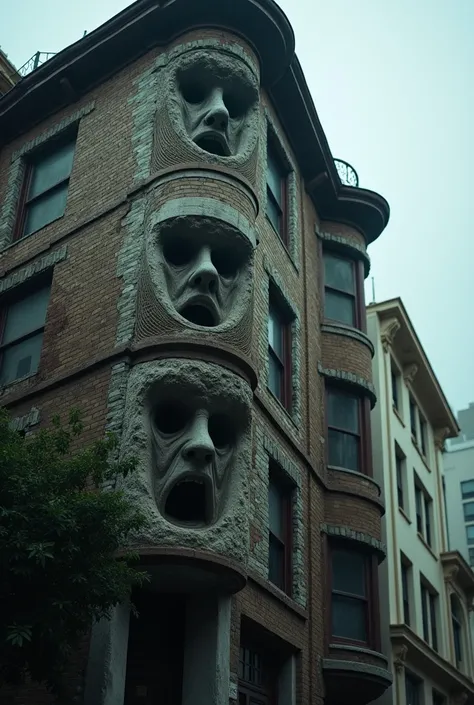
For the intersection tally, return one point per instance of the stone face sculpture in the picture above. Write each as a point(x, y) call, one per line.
point(201, 269)
point(208, 111)
point(217, 97)
point(188, 422)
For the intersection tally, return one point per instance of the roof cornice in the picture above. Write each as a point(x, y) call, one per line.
point(150, 23)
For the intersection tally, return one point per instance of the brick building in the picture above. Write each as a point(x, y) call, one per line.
point(181, 259)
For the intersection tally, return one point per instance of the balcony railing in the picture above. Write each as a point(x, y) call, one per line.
point(36, 60)
point(347, 174)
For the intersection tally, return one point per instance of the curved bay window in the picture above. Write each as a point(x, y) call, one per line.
point(344, 290)
point(348, 418)
point(352, 596)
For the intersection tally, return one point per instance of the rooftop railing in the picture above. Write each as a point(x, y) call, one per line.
point(347, 173)
point(36, 60)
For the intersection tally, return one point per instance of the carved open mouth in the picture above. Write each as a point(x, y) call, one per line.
point(201, 311)
point(214, 142)
point(190, 501)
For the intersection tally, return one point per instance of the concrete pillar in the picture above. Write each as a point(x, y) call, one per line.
point(107, 664)
point(206, 672)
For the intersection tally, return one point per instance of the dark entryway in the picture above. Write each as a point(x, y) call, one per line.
point(155, 650)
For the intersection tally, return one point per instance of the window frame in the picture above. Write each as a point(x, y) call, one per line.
point(470, 541)
point(429, 614)
point(286, 488)
point(370, 600)
point(360, 317)
point(264, 692)
point(277, 158)
point(20, 293)
point(31, 160)
point(279, 307)
point(424, 510)
point(395, 376)
point(468, 494)
point(365, 448)
point(405, 568)
point(457, 626)
point(400, 472)
point(413, 419)
point(468, 518)
point(416, 684)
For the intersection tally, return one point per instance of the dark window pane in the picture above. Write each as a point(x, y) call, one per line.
point(274, 177)
point(275, 511)
point(275, 332)
point(348, 572)
point(395, 389)
point(46, 209)
point(469, 511)
point(413, 418)
point(471, 556)
point(51, 170)
point(424, 612)
point(467, 489)
point(339, 307)
point(275, 376)
point(405, 595)
point(434, 630)
point(26, 315)
point(412, 690)
point(343, 411)
point(276, 562)
point(21, 359)
point(470, 534)
point(274, 214)
point(349, 618)
point(339, 273)
point(343, 450)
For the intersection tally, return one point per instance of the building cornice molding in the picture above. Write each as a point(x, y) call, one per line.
point(389, 329)
point(351, 379)
point(440, 437)
point(410, 372)
point(342, 244)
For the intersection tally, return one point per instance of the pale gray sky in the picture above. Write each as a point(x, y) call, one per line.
point(392, 83)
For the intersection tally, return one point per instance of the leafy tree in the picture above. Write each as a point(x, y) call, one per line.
point(59, 537)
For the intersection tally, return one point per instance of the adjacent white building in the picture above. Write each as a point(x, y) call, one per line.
point(430, 587)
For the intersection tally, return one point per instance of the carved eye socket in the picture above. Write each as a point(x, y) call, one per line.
point(226, 262)
point(171, 417)
point(234, 105)
point(221, 431)
point(178, 251)
point(194, 91)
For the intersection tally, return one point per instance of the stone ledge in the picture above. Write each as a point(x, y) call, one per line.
point(346, 246)
point(359, 667)
point(351, 379)
point(30, 271)
point(345, 532)
point(348, 332)
point(23, 423)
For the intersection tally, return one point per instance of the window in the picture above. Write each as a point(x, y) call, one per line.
point(280, 530)
point(45, 188)
point(340, 290)
point(470, 534)
point(343, 419)
point(428, 607)
point(395, 388)
point(405, 568)
point(277, 192)
point(438, 698)
point(424, 510)
point(467, 489)
point(400, 466)
point(468, 508)
point(350, 598)
point(423, 436)
point(256, 685)
point(471, 556)
point(413, 424)
point(412, 689)
point(279, 352)
point(456, 620)
point(21, 335)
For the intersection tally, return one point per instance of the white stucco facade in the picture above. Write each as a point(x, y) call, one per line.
point(409, 426)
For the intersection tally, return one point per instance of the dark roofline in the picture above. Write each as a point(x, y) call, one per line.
point(150, 23)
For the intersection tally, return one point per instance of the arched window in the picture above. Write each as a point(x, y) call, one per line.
point(457, 622)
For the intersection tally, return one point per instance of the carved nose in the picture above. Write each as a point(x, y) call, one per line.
point(200, 449)
point(218, 116)
point(205, 276)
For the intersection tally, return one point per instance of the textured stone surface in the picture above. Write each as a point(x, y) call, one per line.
point(217, 451)
point(207, 109)
point(23, 423)
point(344, 244)
point(351, 379)
point(359, 536)
point(38, 266)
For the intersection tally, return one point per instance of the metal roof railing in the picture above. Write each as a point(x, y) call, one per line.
point(36, 60)
point(347, 173)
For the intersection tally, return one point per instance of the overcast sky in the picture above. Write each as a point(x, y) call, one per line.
point(392, 81)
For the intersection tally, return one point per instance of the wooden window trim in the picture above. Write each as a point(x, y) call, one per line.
point(284, 364)
point(364, 435)
point(285, 489)
point(275, 151)
point(358, 296)
point(371, 599)
point(405, 567)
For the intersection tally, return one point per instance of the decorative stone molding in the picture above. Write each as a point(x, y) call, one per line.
point(32, 270)
point(271, 127)
point(450, 576)
point(440, 437)
point(23, 423)
point(410, 372)
point(389, 329)
point(348, 332)
point(399, 657)
point(276, 280)
point(351, 379)
point(342, 244)
point(17, 170)
point(346, 532)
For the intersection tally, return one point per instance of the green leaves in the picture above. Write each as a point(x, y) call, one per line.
point(59, 536)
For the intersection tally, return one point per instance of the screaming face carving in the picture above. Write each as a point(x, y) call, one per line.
point(218, 99)
point(206, 268)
